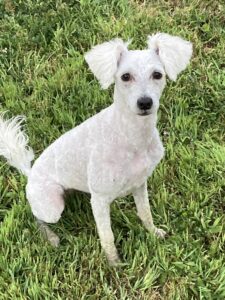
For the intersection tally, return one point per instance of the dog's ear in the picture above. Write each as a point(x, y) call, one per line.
point(103, 60)
point(173, 52)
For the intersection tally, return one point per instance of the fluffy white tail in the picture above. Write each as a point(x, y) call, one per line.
point(14, 143)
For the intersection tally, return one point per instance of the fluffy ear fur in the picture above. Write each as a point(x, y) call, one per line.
point(173, 52)
point(103, 60)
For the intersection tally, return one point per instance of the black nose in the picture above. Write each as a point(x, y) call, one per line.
point(144, 103)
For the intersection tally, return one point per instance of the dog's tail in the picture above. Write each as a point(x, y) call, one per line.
point(14, 143)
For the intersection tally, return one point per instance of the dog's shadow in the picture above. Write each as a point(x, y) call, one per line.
point(78, 218)
point(77, 215)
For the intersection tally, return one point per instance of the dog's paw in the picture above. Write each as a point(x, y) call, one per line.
point(160, 233)
point(54, 240)
point(114, 261)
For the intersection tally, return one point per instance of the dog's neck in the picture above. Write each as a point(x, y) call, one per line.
point(138, 130)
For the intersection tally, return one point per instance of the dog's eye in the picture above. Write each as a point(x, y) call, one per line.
point(126, 77)
point(157, 75)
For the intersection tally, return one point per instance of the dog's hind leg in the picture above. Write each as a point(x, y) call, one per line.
point(46, 200)
point(47, 204)
point(48, 233)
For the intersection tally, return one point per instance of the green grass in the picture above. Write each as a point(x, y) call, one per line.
point(43, 75)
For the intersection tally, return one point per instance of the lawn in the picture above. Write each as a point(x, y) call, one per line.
point(43, 75)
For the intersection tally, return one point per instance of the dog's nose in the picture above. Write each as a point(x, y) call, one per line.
point(144, 103)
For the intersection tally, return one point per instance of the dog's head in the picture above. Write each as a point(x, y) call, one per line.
point(140, 75)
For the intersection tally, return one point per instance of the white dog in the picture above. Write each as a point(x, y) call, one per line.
point(111, 154)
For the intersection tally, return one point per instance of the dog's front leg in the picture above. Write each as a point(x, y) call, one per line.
point(143, 210)
point(101, 211)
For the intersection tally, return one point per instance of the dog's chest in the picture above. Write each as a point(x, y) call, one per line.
point(136, 167)
point(118, 168)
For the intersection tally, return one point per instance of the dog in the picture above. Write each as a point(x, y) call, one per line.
point(111, 154)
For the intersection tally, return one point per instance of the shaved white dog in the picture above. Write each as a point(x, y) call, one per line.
point(113, 153)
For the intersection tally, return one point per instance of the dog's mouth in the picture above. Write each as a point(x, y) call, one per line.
point(144, 113)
